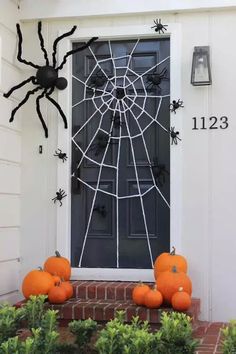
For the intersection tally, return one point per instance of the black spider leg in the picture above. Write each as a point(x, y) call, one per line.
point(39, 112)
point(20, 49)
point(67, 34)
point(31, 78)
point(32, 92)
point(42, 42)
point(86, 45)
point(57, 106)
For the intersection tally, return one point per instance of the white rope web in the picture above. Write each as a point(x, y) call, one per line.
point(132, 105)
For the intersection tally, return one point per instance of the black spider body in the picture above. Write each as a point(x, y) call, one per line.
point(155, 79)
point(59, 196)
point(159, 172)
point(176, 105)
point(174, 136)
point(46, 78)
point(61, 155)
point(159, 27)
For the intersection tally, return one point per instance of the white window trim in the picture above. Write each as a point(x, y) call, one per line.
point(64, 143)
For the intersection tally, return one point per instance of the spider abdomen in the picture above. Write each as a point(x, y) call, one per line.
point(46, 76)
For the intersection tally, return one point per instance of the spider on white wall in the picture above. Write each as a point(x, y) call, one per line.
point(46, 77)
point(159, 27)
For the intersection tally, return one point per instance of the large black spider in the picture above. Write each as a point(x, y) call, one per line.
point(59, 196)
point(155, 79)
point(175, 105)
point(159, 27)
point(46, 77)
point(174, 136)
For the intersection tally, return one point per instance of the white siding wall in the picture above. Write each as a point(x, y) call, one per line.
point(10, 159)
point(208, 169)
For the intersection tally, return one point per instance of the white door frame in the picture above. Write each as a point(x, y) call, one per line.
point(64, 143)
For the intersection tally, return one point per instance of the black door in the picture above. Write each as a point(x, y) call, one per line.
point(120, 214)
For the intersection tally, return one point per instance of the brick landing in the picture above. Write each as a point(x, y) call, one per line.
point(209, 336)
point(101, 300)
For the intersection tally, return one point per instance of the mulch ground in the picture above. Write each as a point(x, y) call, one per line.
point(207, 333)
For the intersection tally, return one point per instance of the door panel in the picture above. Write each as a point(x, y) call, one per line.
point(120, 195)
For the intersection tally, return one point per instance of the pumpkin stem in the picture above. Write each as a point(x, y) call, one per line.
point(174, 269)
point(172, 253)
point(57, 254)
point(181, 288)
point(40, 269)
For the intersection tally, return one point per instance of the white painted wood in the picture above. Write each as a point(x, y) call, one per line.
point(11, 75)
point(53, 9)
point(9, 244)
point(9, 275)
point(113, 274)
point(11, 298)
point(7, 105)
point(10, 178)
point(10, 147)
point(9, 210)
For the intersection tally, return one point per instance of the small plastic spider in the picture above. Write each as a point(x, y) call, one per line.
point(97, 80)
point(175, 105)
point(159, 172)
point(46, 77)
point(155, 79)
point(61, 155)
point(174, 136)
point(100, 209)
point(59, 196)
point(159, 27)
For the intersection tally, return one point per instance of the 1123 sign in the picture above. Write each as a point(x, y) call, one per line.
point(213, 122)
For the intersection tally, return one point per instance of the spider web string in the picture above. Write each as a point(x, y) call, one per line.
point(139, 192)
point(95, 196)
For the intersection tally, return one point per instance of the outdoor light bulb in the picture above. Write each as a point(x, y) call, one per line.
point(201, 73)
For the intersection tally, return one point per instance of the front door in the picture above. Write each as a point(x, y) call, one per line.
point(120, 215)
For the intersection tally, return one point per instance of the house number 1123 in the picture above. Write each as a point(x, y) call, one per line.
point(212, 122)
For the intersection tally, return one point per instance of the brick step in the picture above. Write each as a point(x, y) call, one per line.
point(104, 290)
point(104, 310)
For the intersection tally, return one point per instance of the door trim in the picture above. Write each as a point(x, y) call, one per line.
point(64, 143)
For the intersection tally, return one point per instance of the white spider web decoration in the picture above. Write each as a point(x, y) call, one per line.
point(132, 104)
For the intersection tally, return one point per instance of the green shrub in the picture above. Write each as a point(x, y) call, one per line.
point(229, 338)
point(83, 331)
point(10, 321)
point(176, 334)
point(34, 310)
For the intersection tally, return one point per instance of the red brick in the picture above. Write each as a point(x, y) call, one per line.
point(120, 292)
point(101, 291)
point(111, 291)
point(210, 339)
point(109, 312)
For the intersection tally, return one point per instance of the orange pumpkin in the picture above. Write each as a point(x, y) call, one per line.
point(57, 295)
point(181, 300)
point(139, 292)
point(166, 261)
point(37, 282)
point(168, 283)
point(56, 279)
point(68, 288)
point(58, 265)
point(153, 298)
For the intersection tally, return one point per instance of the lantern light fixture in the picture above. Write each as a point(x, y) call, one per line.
point(201, 71)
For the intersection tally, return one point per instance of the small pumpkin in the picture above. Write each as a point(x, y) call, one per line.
point(57, 295)
point(166, 261)
point(68, 288)
point(181, 300)
point(168, 283)
point(37, 282)
point(153, 298)
point(58, 265)
point(139, 292)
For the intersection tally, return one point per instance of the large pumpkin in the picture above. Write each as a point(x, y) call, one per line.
point(169, 282)
point(58, 265)
point(166, 261)
point(37, 282)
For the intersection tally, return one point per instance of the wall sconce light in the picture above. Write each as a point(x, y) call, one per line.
point(201, 71)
